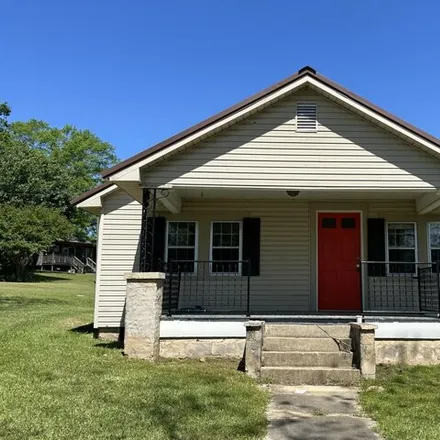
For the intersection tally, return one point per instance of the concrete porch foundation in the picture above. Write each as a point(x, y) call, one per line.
point(401, 340)
point(193, 348)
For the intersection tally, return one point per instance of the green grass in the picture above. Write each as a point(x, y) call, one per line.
point(409, 406)
point(56, 383)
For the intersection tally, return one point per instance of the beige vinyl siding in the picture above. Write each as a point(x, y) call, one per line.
point(121, 224)
point(100, 225)
point(266, 151)
point(284, 282)
point(392, 208)
point(287, 281)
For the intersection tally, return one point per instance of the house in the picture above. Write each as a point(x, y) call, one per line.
point(303, 202)
point(72, 256)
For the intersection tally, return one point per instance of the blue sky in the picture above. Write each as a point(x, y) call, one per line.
point(139, 71)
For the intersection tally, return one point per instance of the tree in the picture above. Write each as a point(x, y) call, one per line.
point(81, 154)
point(29, 177)
point(41, 169)
point(34, 205)
point(5, 111)
point(24, 232)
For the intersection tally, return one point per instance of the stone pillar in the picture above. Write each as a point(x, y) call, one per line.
point(143, 308)
point(364, 351)
point(254, 348)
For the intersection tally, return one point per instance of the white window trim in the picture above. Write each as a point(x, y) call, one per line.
point(430, 247)
point(196, 243)
point(298, 130)
point(240, 247)
point(415, 248)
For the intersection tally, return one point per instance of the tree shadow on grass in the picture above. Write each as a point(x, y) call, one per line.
point(46, 278)
point(32, 278)
point(15, 302)
point(172, 414)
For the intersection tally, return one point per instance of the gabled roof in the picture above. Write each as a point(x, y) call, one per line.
point(304, 72)
point(91, 192)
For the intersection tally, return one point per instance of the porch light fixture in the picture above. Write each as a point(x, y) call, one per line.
point(292, 193)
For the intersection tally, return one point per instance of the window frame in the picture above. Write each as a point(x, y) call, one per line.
point(240, 247)
point(430, 248)
point(415, 248)
point(196, 243)
point(298, 130)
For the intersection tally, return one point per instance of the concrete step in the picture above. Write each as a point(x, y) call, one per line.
point(307, 359)
point(304, 344)
point(310, 376)
point(307, 330)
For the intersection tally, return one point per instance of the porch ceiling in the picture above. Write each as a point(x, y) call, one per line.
point(232, 193)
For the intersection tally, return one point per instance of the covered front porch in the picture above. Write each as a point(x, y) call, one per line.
point(393, 294)
point(271, 254)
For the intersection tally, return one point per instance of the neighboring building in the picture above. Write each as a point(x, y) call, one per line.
point(304, 199)
point(72, 256)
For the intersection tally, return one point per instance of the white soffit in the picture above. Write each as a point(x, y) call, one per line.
point(95, 200)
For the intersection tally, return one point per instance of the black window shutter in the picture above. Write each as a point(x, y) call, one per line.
point(159, 241)
point(251, 245)
point(376, 246)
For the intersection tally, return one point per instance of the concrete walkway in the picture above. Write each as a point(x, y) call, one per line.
point(317, 413)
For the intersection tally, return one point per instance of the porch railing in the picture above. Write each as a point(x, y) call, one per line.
point(91, 264)
point(78, 265)
point(211, 287)
point(400, 287)
point(54, 259)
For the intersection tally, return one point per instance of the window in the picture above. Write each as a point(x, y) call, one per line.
point(401, 247)
point(434, 242)
point(225, 247)
point(328, 222)
point(306, 117)
point(348, 223)
point(181, 244)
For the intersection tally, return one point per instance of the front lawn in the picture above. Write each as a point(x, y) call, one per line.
point(408, 408)
point(59, 383)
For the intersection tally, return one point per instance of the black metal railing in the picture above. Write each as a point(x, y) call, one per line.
point(429, 288)
point(210, 287)
point(396, 287)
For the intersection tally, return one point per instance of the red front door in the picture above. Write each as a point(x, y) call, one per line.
point(339, 248)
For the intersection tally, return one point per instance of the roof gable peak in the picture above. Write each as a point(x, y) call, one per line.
point(307, 69)
point(307, 75)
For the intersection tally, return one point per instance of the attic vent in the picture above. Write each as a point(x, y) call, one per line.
point(306, 116)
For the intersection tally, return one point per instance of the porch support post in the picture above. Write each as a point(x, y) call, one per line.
point(143, 309)
point(364, 350)
point(147, 257)
point(254, 348)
